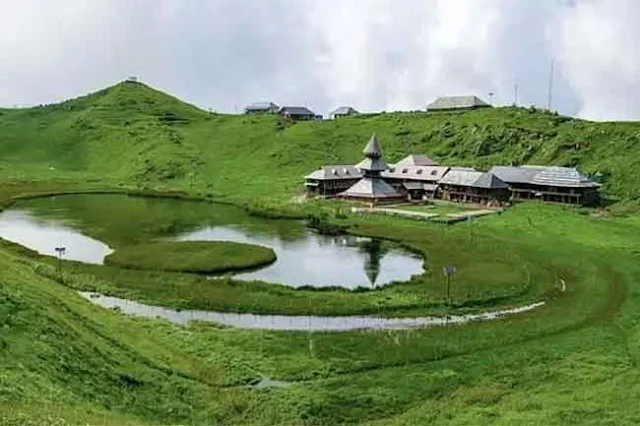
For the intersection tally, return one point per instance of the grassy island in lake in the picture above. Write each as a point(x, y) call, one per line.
point(192, 256)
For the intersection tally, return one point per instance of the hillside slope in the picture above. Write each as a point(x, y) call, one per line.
point(127, 132)
point(575, 361)
point(132, 134)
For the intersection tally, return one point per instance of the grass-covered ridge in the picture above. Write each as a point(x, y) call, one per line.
point(130, 134)
point(573, 362)
point(192, 256)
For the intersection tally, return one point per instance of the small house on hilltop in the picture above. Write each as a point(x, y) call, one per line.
point(456, 103)
point(473, 187)
point(343, 111)
point(297, 113)
point(549, 183)
point(261, 108)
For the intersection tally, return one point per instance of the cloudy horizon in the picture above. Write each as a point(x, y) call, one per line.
point(372, 54)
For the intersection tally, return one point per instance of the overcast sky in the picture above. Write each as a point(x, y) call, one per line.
point(372, 54)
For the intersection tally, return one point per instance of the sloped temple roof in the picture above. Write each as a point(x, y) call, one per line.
point(473, 179)
point(371, 188)
point(417, 173)
point(333, 172)
point(545, 176)
point(416, 160)
point(373, 153)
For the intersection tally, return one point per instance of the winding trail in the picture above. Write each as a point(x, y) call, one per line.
point(296, 322)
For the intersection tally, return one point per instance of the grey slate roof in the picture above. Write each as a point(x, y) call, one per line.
point(456, 102)
point(412, 185)
point(262, 106)
point(374, 164)
point(333, 172)
point(429, 186)
point(344, 110)
point(373, 153)
point(371, 188)
point(417, 173)
point(544, 175)
point(416, 160)
point(473, 179)
point(296, 111)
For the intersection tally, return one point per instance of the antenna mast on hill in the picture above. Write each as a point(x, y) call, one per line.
point(550, 87)
point(515, 95)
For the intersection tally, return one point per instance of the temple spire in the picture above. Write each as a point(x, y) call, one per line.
point(373, 163)
point(373, 149)
point(372, 187)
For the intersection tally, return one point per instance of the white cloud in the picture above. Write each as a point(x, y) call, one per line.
point(373, 54)
point(600, 57)
point(401, 54)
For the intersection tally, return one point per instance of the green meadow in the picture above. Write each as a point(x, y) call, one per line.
point(64, 361)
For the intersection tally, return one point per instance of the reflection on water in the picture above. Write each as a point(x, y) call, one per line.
point(44, 236)
point(304, 257)
point(295, 323)
point(320, 260)
point(373, 252)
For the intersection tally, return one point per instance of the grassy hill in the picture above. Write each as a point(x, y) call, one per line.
point(574, 361)
point(132, 134)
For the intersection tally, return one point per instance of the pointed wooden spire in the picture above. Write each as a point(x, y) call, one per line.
point(373, 149)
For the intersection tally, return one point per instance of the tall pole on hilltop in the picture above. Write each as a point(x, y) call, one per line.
point(515, 95)
point(550, 94)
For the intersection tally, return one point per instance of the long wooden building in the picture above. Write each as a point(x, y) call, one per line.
point(470, 186)
point(329, 181)
point(417, 177)
point(549, 183)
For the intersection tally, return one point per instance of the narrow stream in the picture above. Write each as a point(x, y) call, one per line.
point(295, 322)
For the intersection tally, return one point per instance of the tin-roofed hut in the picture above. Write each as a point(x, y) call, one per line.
point(261, 108)
point(457, 103)
point(343, 111)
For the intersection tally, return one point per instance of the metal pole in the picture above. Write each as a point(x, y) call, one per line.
point(448, 293)
point(550, 87)
point(60, 251)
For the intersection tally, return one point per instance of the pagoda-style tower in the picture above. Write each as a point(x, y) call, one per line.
point(372, 188)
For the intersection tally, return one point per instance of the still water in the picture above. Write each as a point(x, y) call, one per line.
point(296, 322)
point(89, 226)
point(44, 235)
